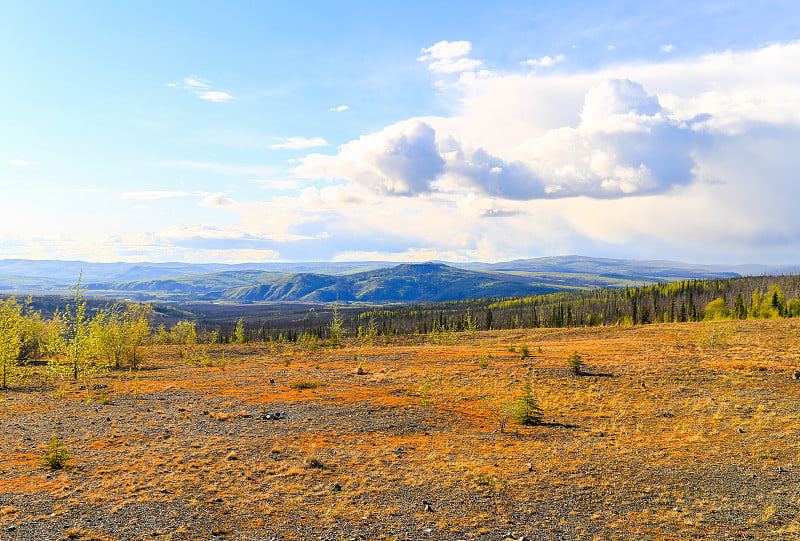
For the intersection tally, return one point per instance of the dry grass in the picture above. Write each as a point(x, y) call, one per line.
point(662, 437)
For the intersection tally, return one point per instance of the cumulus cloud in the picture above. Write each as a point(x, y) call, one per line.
point(449, 57)
point(400, 160)
point(153, 194)
point(668, 48)
point(622, 146)
point(202, 89)
point(339, 109)
point(295, 143)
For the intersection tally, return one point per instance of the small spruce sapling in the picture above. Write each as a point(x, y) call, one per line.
point(528, 411)
point(575, 363)
point(57, 454)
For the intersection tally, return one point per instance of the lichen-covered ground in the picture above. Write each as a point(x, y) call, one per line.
point(676, 431)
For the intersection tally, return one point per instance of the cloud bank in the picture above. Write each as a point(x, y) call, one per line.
point(688, 158)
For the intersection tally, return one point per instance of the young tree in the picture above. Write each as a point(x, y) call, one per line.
point(183, 332)
point(739, 309)
point(336, 328)
point(528, 411)
point(470, 323)
point(75, 341)
point(716, 309)
point(138, 330)
point(239, 334)
point(109, 334)
point(11, 328)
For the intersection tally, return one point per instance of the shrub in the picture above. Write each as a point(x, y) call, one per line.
point(301, 384)
point(575, 363)
point(528, 411)
point(57, 454)
point(524, 352)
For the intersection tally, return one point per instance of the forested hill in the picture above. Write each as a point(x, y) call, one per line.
point(403, 283)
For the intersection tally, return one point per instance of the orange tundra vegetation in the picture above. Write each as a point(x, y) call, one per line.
point(668, 431)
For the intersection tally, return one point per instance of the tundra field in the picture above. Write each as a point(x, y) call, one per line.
point(668, 431)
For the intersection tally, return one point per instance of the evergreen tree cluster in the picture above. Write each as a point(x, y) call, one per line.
point(754, 297)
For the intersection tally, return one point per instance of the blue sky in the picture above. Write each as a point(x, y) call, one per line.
point(257, 131)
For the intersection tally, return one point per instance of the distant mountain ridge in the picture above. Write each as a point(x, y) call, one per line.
point(421, 282)
point(364, 281)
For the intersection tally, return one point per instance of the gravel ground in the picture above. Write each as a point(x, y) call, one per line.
point(663, 440)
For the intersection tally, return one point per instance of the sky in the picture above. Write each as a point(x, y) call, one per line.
point(239, 132)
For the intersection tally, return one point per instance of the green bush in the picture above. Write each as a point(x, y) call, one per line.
point(524, 352)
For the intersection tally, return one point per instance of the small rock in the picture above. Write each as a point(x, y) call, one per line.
point(739, 430)
point(427, 506)
point(11, 528)
point(232, 456)
point(782, 470)
point(337, 487)
point(796, 374)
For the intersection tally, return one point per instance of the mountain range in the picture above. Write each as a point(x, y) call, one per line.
point(363, 282)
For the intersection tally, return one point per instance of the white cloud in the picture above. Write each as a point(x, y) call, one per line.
point(194, 82)
point(615, 151)
point(667, 49)
point(90, 190)
point(295, 143)
point(449, 57)
point(339, 109)
point(544, 62)
point(20, 162)
point(153, 194)
point(400, 160)
point(445, 50)
point(202, 89)
point(216, 96)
